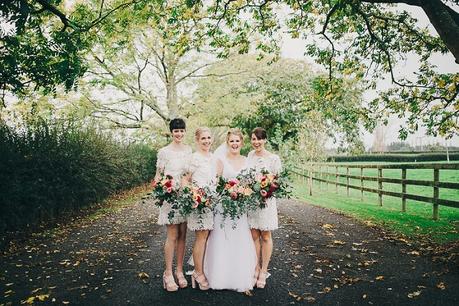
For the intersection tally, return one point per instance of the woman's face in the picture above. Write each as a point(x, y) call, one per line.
point(257, 144)
point(234, 143)
point(204, 141)
point(178, 135)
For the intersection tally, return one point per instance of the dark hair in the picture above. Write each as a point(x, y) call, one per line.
point(260, 133)
point(177, 124)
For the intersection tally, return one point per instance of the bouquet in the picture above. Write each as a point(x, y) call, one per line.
point(163, 190)
point(266, 184)
point(235, 195)
point(194, 199)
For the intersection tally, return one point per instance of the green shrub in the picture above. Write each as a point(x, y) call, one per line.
point(50, 170)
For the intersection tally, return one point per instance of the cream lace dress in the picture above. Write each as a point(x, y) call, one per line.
point(173, 163)
point(203, 174)
point(266, 218)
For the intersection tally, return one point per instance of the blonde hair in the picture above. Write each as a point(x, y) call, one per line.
point(236, 132)
point(201, 130)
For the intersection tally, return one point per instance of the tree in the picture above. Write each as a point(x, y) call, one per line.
point(286, 97)
point(366, 38)
point(143, 63)
point(47, 44)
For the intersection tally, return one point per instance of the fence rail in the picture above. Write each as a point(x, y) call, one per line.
point(315, 173)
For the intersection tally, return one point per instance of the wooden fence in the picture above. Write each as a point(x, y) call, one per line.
point(321, 173)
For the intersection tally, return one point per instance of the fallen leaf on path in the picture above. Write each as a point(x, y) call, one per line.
point(441, 286)
point(144, 277)
point(414, 294)
point(416, 253)
point(379, 277)
point(339, 242)
point(327, 226)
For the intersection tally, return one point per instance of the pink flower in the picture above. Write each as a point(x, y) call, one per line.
point(263, 193)
point(169, 190)
point(233, 195)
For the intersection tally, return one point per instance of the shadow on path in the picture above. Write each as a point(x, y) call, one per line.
point(319, 257)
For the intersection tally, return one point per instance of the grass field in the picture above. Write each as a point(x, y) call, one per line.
point(416, 222)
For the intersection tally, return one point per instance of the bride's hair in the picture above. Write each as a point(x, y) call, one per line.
point(236, 132)
point(201, 130)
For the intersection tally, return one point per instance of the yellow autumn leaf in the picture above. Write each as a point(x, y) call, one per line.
point(339, 242)
point(42, 297)
point(29, 300)
point(327, 226)
point(379, 277)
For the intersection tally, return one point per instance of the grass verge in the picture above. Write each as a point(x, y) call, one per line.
point(416, 223)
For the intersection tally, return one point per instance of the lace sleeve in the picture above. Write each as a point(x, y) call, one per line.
point(192, 164)
point(161, 161)
point(276, 165)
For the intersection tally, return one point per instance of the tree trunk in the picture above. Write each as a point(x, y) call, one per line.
point(446, 22)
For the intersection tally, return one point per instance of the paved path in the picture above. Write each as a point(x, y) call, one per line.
point(320, 257)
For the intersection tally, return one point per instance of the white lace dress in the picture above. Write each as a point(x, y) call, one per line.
point(203, 174)
point(173, 163)
point(230, 258)
point(266, 218)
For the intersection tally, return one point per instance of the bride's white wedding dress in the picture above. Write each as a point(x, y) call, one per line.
point(230, 257)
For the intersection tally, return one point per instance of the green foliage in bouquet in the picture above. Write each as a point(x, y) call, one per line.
point(267, 185)
point(163, 190)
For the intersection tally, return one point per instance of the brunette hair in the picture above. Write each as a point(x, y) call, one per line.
point(201, 130)
point(177, 124)
point(260, 133)
point(236, 132)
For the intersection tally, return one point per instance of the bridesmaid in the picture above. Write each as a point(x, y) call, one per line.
point(202, 173)
point(263, 220)
point(172, 160)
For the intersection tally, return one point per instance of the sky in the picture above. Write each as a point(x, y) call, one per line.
point(295, 48)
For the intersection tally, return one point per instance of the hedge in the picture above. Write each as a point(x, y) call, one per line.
point(49, 170)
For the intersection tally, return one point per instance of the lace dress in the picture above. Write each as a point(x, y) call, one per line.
point(264, 219)
point(203, 173)
point(173, 163)
point(230, 258)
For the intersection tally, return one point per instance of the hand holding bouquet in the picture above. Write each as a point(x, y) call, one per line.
point(235, 196)
point(194, 199)
point(266, 185)
point(164, 189)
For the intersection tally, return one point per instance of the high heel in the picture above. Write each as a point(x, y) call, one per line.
point(255, 278)
point(261, 281)
point(182, 282)
point(169, 283)
point(201, 280)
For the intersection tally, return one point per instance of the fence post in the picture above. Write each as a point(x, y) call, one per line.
point(361, 184)
point(327, 177)
point(336, 179)
point(403, 190)
point(436, 192)
point(347, 181)
point(320, 177)
point(310, 180)
point(380, 186)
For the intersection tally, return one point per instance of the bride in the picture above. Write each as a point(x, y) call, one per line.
point(230, 258)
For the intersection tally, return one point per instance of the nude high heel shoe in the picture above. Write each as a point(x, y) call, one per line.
point(169, 283)
point(261, 281)
point(182, 282)
point(201, 280)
